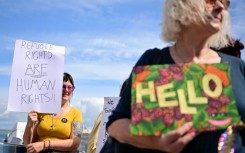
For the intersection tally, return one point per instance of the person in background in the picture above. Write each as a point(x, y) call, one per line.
point(92, 142)
point(233, 49)
point(192, 27)
point(55, 132)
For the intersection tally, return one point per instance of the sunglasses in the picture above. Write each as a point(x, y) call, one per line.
point(68, 88)
point(226, 3)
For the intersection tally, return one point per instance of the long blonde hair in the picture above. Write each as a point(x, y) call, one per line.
point(222, 38)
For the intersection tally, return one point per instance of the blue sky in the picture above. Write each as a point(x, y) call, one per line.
point(103, 40)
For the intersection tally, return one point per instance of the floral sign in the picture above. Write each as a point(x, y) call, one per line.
point(164, 97)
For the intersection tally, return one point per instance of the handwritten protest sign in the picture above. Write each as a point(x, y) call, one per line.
point(36, 78)
point(164, 97)
point(109, 104)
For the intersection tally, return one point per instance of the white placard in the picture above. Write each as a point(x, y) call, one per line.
point(110, 104)
point(36, 78)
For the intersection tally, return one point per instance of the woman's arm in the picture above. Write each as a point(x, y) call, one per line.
point(30, 134)
point(174, 141)
point(70, 144)
point(65, 145)
point(62, 145)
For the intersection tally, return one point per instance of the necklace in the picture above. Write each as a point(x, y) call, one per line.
point(200, 59)
point(57, 117)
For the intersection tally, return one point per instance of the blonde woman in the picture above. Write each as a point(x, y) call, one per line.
point(191, 27)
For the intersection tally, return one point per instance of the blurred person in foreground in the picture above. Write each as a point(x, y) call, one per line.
point(55, 132)
point(93, 139)
point(191, 27)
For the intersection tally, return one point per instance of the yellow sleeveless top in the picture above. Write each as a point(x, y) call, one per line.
point(61, 128)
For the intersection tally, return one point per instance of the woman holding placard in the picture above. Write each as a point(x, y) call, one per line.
point(55, 132)
point(192, 27)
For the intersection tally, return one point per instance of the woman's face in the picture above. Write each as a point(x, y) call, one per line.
point(67, 91)
point(215, 9)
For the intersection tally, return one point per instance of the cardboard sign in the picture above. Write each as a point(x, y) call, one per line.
point(110, 104)
point(36, 78)
point(164, 97)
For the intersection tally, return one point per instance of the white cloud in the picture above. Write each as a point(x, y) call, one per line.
point(95, 102)
point(81, 7)
point(4, 113)
point(8, 44)
point(127, 46)
point(90, 107)
point(99, 70)
point(5, 70)
point(8, 119)
point(108, 43)
point(92, 52)
point(12, 118)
